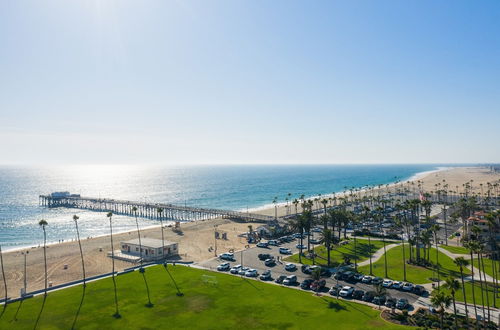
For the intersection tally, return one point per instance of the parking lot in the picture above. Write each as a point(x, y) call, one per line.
point(249, 258)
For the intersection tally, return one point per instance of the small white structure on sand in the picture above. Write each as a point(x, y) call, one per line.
point(151, 249)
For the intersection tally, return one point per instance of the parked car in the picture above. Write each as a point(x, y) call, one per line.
point(251, 273)
point(358, 294)
point(379, 300)
point(317, 230)
point(367, 279)
point(223, 267)
point(227, 256)
point(358, 277)
point(387, 283)
point(377, 280)
point(306, 284)
point(264, 256)
point(285, 250)
point(315, 241)
point(266, 276)
point(270, 262)
point(290, 267)
point(346, 291)
point(402, 303)
point(420, 290)
point(318, 285)
point(235, 269)
point(408, 287)
point(290, 280)
point(280, 279)
point(368, 296)
point(301, 246)
point(243, 270)
point(335, 289)
point(262, 245)
point(273, 242)
point(390, 302)
point(397, 285)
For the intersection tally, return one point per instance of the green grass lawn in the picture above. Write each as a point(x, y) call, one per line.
point(337, 254)
point(415, 274)
point(488, 266)
point(455, 249)
point(477, 291)
point(231, 303)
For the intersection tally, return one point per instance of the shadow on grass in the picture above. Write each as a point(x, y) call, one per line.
point(17, 310)
point(41, 311)
point(179, 293)
point(3, 309)
point(79, 309)
point(335, 305)
point(143, 272)
point(251, 284)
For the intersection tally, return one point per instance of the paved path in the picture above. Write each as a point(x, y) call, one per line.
point(377, 255)
point(484, 276)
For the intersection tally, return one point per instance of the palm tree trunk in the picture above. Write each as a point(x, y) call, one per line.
point(81, 253)
point(385, 257)
point(370, 249)
point(465, 297)
point(437, 258)
point(117, 313)
point(3, 276)
point(481, 284)
point(45, 258)
point(404, 257)
point(455, 310)
point(355, 254)
point(473, 285)
point(486, 288)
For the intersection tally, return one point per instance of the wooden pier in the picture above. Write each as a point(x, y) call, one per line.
point(147, 210)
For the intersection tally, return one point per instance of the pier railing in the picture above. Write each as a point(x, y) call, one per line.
point(148, 210)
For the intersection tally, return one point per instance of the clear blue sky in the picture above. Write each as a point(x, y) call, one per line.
point(249, 81)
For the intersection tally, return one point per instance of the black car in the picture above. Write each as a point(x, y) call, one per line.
point(264, 256)
point(280, 279)
point(270, 262)
point(390, 302)
point(402, 304)
point(379, 300)
point(420, 290)
point(368, 296)
point(306, 285)
point(335, 289)
point(358, 276)
point(358, 294)
point(318, 285)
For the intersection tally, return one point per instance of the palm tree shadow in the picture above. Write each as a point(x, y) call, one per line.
point(3, 309)
point(179, 293)
point(250, 282)
point(79, 308)
point(41, 311)
point(18, 309)
point(143, 272)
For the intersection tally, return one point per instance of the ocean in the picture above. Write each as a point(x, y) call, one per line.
point(235, 187)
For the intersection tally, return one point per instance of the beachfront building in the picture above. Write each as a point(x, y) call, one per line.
point(151, 249)
point(488, 231)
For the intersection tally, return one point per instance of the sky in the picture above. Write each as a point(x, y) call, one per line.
point(249, 82)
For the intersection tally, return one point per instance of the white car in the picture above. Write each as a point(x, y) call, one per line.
point(243, 270)
point(346, 291)
point(235, 269)
point(223, 267)
point(290, 267)
point(408, 287)
point(227, 256)
point(397, 285)
point(290, 280)
point(285, 250)
point(251, 273)
point(387, 283)
point(366, 279)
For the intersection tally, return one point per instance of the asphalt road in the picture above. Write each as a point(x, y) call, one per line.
point(249, 258)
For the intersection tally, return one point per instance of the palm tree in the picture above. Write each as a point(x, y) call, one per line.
point(435, 228)
point(142, 270)
point(75, 219)
point(461, 263)
point(327, 236)
point(300, 223)
point(43, 223)
point(441, 300)
point(160, 211)
point(110, 216)
point(453, 285)
point(471, 247)
point(3, 276)
point(379, 292)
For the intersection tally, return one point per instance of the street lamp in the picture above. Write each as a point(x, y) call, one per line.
point(25, 254)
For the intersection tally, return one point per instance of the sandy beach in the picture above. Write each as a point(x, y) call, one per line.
point(195, 242)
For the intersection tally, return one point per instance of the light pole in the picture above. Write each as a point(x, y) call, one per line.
point(25, 254)
point(215, 240)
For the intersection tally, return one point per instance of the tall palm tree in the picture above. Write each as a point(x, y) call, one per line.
point(300, 223)
point(3, 276)
point(43, 223)
point(142, 270)
point(435, 228)
point(75, 219)
point(160, 211)
point(461, 263)
point(110, 216)
point(327, 236)
point(471, 247)
point(441, 300)
point(453, 285)
point(480, 265)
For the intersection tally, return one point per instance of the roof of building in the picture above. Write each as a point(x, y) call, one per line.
point(475, 219)
point(149, 242)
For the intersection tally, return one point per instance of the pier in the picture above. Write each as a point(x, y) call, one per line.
point(146, 210)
